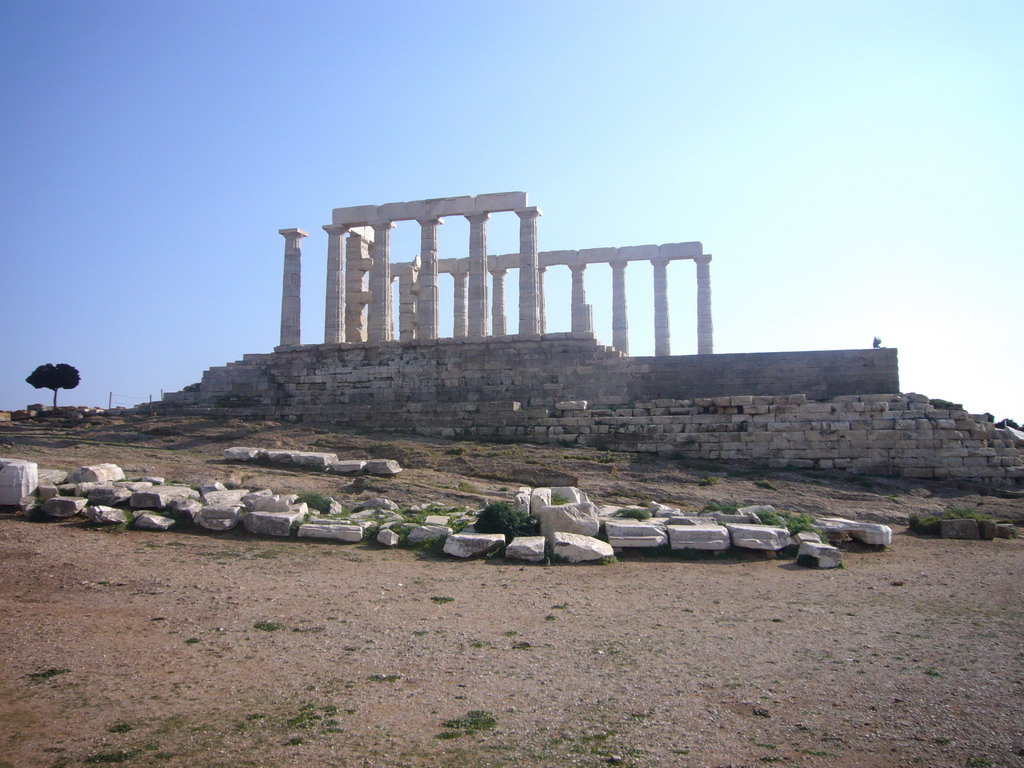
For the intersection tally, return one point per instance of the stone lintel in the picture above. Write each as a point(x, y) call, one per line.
point(434, 208)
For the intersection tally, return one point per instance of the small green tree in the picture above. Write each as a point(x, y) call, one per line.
point(50, 376)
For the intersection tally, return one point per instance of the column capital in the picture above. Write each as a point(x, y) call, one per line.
point(382, 225)
point(498, 272)
point(430, 222)
point(293, 232)
point(576, 268)
point(476, 218)
point(703, 259)
point(618, 266)
point(660, 262)
point(527, 213)
point(335, 229)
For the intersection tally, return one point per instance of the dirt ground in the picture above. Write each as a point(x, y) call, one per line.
point(199, 649)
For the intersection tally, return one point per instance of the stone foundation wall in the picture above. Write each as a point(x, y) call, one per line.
point(844, 415)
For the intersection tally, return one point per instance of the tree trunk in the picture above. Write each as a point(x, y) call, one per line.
point(55, 397)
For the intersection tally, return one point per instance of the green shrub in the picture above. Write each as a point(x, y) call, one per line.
point(726, 507)
point(559, 499)
point(317, 501)
point(636, 513)
point(503, 517)
point(705, 481)
point(928, 525)
point(766, 484)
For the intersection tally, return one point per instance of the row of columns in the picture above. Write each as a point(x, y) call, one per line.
point(350, 299)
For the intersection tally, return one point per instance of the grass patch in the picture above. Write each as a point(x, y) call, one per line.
point(470, 723)
point(725, 507)
point(706, 481)
point(120, 728)
point(634, 513)
point(441, 599)
point(267, 626)
point(929, 525)
point(47, 674)
point(317, 501)
point(766, 484)
point(101, 758)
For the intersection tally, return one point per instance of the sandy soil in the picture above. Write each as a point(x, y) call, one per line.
point(189, 649)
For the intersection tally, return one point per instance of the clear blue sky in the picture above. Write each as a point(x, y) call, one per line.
point(855, 168)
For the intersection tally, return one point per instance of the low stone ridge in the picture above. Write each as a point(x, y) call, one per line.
point(323, 462)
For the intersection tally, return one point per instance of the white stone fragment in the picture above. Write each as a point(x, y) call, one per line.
point(277, 503)
point(539, 498)
point(109, 495)
point(153, 521)
point(822, 555)
point(217, 518)
point(102, 515)
point(473, 544)
point(662, 510)
point(320, 528)
point(763, 537)
point(97, 473)
point(578, 518)
point(577, 548)
point(206, 488)
point(152, 480)
point(224, 498)
point(160, 496)
point(635, 535)
point(874, 534)
point(382, 467)
point(18, 479)
point(529, 548)
point(387, 537)
point(241, 453)
point(274, 523)
point(347, 466)
point(521, 501)
point(703, 536)
point(63, 506)
point(572, 405)
point(378, 502)
point(436, 520)
point(314, 460)
point(423, 533)
point(799, 538)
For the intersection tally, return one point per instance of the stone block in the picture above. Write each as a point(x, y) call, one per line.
point(63, 506)
point(577, 548)
point(18, 479)
point(225, 498)
point(161, 496)
point(347, 466)
point(573, 494)
point(217, 518)
point(241, 453)
point(875, 534)
point(702, 536)
point(473, 544)
point(762, 537)
point(423, 533)
point(102, 515)
point(109, 495)
point(333, 530)
point(539, 498)
point(153, 521)
point(623, 535)
point(1005, 530)
point(97, 473)
point(529, 548)
point(580, 518)
point(382, 467)
point(387, 537)
point(314, 460)
point(817, 555)
point(959, 529)
point(274, 523)
point(571, 405)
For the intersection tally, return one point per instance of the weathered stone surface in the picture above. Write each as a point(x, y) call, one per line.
point(251, 499)
point(959, 529)
point(763, 537)
point(161, 496)
point(63, 506)
point(97, 473)
point(382, 467)
point(436, 520)
point(241, 453)
point(635, 535)
point(313, 460)
point(423, 533)
point(754, 512)
point(44, 492)
point(138, 485)
point(539, 498)
point(153, 521)
point(109, 495)
point(52, 476)
point(216, 518)
point(572, 405)
point(274, 523)
point(570, 492)
point(521, 501)
point(1005, 530)
point(281, 503)
point(206, 488)
point(662, 510)
point(377, 503)
point(387, 537)
point(224, 498)
point(152, 480)
point(189, 507)
point(18, 479)
point(704, 536)
point(347, 466)
point(799, 538)
point(473, 544)
point(987, 529)
point(577, 548)
point(102, 515)
point(815, 554)
point(530, 548)
point(322, 528)
point(874, 534)
point(276, 456)
point(578, 518)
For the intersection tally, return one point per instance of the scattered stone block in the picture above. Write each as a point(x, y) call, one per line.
point(378, 502)
point(44, 492)
point(572, 405)
point(473, 544)
point(102, 515)
point(153, 521)
point(63, 506)
point(52, 476)
point(1005, 530)
point(763, 537)
point(635, 535)
point(152, 480)
point(580, 518)
point(313, 460)
point(662, 510)
point(959, 529)
point(799, 538)
point(570, 492)
point(274, 523)
point(215, 518)
point(347, 466)
point(224, 497)
point(206, 488)
point(987, 529)
point(159, 497)
point(138, 485)
point(382, 467)
point(436, 520)
point(754, 512)
point(577, 548)
point(241, 453)
point(18, 479)
point(539, 498)
point(278, 503)
point(97, 473)
point(529, 548)
point(422, 533)
point(703, 536)
point(817, 555)
point(869, 533)
point(188, 507)
point(387, 537)
point(333, 530)
point(109, 495)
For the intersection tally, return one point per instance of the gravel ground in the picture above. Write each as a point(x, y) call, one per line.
point(189, 649)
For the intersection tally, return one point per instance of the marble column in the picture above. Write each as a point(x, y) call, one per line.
point(334, 312)
point(529, 277)
point(542, 320)
point(408, 278)
point(380, 283)
point(705, 329)
point(357, 266)
point(620, 321)
point(459, 305)
point(662, 341)
point(498, 302)
point(427, 300)
point(582, 318)
point(478, 274)
point(291, 293)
